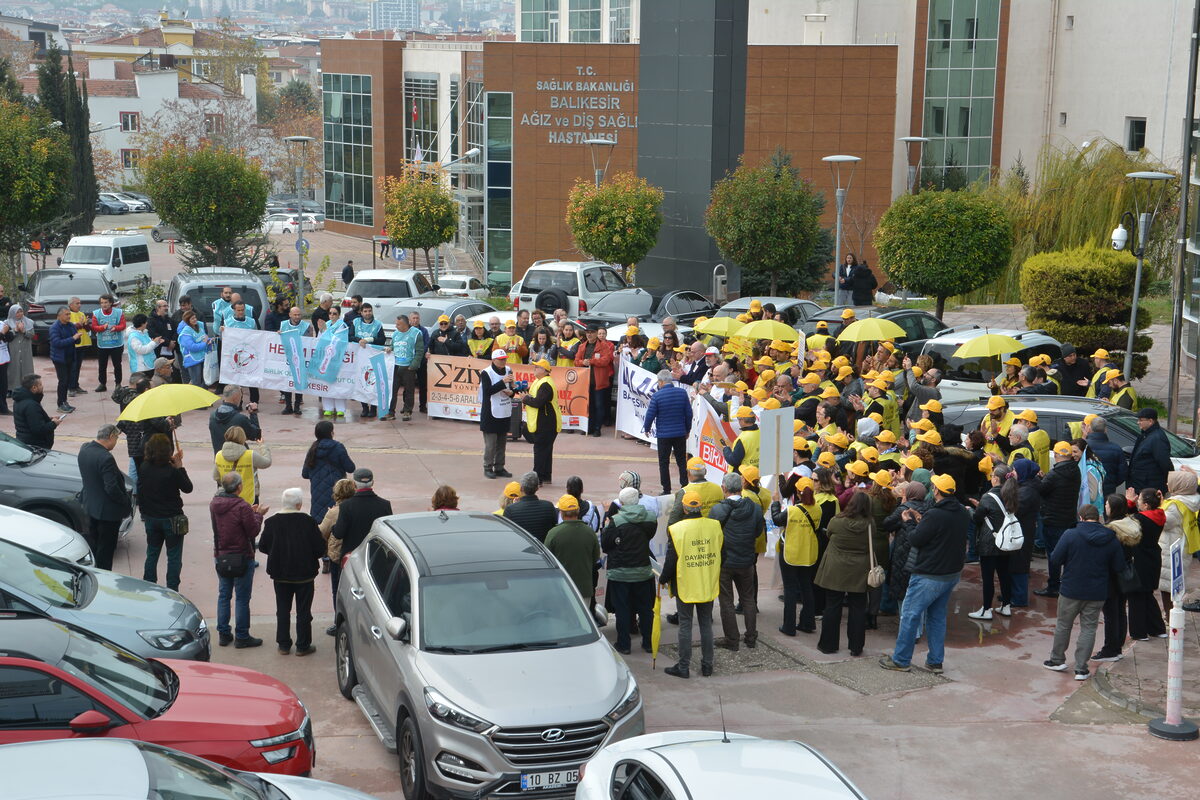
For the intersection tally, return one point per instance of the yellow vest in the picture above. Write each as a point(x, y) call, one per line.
point(1039, 440)
point(244, 467)
point(750, 442)
point(512, 344)
point(698, 544)
point(76, 318)
point(1002, 429)
point(1094, 384)
point(800, 537)
point(761, 498)
point(1125, 391)
point(566, 344)
point(1021, 452)
point(481, 348)
point(531, 413)
point(818, 341)
point(710, 494)
point(891, 414)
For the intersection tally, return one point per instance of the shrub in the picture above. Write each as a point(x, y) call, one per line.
point(1087, 284)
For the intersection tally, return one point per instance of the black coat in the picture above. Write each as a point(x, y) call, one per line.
point(1029, 505)
point(862, 285)
point(161, 326)
point(491, 382)
point(1112, 457)
point(34, 426)
point(902, 550)
point(741, 523)
point(1060, 495)
point(356, 515)
point(1068, 374)
point(1150, 460)
point(627, 544)
point(225, 417)
point(104, 496)
point(1147, 554)
point(535, 515)
point(941, 539)
point(294, 546)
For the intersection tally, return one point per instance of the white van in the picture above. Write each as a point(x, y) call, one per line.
point(124, 259)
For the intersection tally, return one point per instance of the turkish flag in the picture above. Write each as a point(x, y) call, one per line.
point(414, 112)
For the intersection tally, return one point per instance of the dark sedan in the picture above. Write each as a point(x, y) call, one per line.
point(794, 310)
point(649, 304)
point(918, 325)
point(46, 291)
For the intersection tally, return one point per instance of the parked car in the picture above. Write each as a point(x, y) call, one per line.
point(116, 200)
point(918, 325)
point(44, 482)
point(162, 232)
point(289, 223)
point(125, 768)
point(43, 535)
point(711, 765)
point(286, 281)
point(136, 204)
point(48, 290)
point(111, 205)
point(431, 308)
point(966, 379)
point(58, 681)
point(574, 286)
point(142, 196)
point(652, 304)
point(473, 655)
point(123, 258)
point(290, 204)
point(452, 285)
point(386, 289)
point(204, 285)
point(795, 311)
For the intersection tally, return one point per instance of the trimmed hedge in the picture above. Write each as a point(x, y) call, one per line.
point(1084, 284)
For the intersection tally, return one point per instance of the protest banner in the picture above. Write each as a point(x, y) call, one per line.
point(454, 389)
point(775, 448)
point(635, 386)
point(260, 359)
point(709, 437)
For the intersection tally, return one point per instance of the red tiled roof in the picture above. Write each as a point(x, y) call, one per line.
point(283, 63)
point(150, 37)
point(197, 91)
point(107, 88)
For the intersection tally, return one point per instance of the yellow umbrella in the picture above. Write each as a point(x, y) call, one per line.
point(871, 329)
point(656, 627)
point(768, 329)
point(168, 400)
point(987, 344)
point(724, 327)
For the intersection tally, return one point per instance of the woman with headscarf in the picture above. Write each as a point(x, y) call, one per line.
point(1029, 503)
point(20, 347)
point(6, 336)
point(1181, 498)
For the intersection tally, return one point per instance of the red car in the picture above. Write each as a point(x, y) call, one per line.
point(59, 682)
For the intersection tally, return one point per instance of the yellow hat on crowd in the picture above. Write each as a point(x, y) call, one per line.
point(443, 318)
point(632, 330)
point(923, 425)
point(801, 444)
point(512, 489)
point(698, 320)
point(841, 361)
point(870, 375)
point(822, 325)
point(805, 483)
point(882, 477)
point(771, 403)
point(766, 375)
point(510, 323)
point(797, 425)
point(743, 318)
point(996, 402)
point(810, 380)
point(881, 385)
point(780, 345)
point(944, 483)
point(759, 394)
point(914, 463)
point(875, 415)
point(819, 365)
point(839, 439)
point(756, 305)
point(848, 314)
point(930, 437)
point(1101, 353)
point(744, 412)
point(749, 473)
point(479, 325)
point(692, 500)
point(887, 375)
point(696, 462)
point(934, 406)
point(985, 465)
point(1012, 362)
point(844, 372)
point(885, 436)
point(680, 349)
point(1041, 359)
point(827, 459)
point(859, 468)
point(1062, 449)
point(653, 343)
point(1112, 373)
point(741, 386)
point(1088, 420)
point(568, 503)
point(869, 454)
point(829, 393)
point(1029, 415)
point(541, 362)
point(764, 361)
point(891, 348)
point(917, 372)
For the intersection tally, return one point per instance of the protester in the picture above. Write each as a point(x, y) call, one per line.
point(842, 575)
point(1180, 506)
point(746, 447)
point(140, 348)
point(334, 332)
point(1109, 454)
point(356, 515)
point(104, 497)
point(626, 543)
point(693, 570)
point(108, 323)
point(229, 414)
point(63, 337)
point(83, 324)
point(1073, 372)
point(162, 372)
point(1115, 611)
point(444, 499)
point(295, 321)
point(136, 431)
point(495, 410)
point(237, 456)
point(543, 419)
point(235, 524)
point(326, 463)
point(20, 346)
point(535, 515)
point(511, 493)
point(1145, 617)
point(989, 519)
point(798, 551)
point(294, 546)
point(342, 490)
point(741, 521)
point(34, 426)
point(575, 546)
point(193, 345)
point(6, 336)
point(1060, 503)
point(161, 480)
point(596, 353)
point(669, 416)
point(1029, 505)
point(1150, 460)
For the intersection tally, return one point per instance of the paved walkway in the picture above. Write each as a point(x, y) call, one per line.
point(1139, 680)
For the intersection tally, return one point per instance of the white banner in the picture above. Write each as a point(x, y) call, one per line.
point(635, 386)
point(775, 448)
point(258, 358)
point(708, 438)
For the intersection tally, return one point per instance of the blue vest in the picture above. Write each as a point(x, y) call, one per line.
point(366, 330)
point(139, 362)
point(404, 346)
point(219, 307)
point(305, 327)
point(227, 315)
point(109, 339)
point(248, 323)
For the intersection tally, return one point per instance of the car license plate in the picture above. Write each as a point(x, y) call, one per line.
point(534, 781)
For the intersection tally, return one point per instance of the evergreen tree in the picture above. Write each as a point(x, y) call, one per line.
point(51, 85)
point(10, 87)
point(83, 189)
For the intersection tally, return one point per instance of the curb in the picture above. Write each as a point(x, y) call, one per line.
point(1106, 690)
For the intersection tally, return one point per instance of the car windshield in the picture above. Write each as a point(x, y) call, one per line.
point(1128, 423)
point(176, 775)
point(13, 451)
point(77, 283)
point(625, 304)
point(94, 254)
point(144, 686)
point(377, 288)
point(497, 611)
point(44, 577)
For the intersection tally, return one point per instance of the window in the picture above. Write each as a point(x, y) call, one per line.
point(612, 280)
point(583, 20)
point(421, 106)
point(619, 21)
point(1070, 22)
point(399, 593)
point(381, 563)
point(633, 781)
point(1135, 133)
point(455, 149)
point(535, 20)
point(30, 699)
point(214, 124)
point(130, 158)
point(276, 77)
point(1062, 118)
point(943, 26)
point(131, 121)
point(969, 32)
point(349, 161)
point(498, 199)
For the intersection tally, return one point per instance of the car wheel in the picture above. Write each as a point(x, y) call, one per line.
point(412, 761)
point(54, 515)
point(155, 235)
point(347, 677)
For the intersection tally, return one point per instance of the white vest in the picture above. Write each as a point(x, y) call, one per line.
point(501, 403)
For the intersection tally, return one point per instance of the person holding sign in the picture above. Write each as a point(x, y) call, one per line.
point(295, 322)
point(108, 324)
point(367, 331)
point(693, 570)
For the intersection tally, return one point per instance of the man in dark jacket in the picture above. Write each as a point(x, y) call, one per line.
point(228, 414)
point(941, 541)
point(862, 284)
point(1150, 460)
point(1110, 455)
point(671, 409)
point(1060, 504)
point(742, 522)
point(294, 547)
point(1087, 555)
point(104, 496)
point(1073, 372)
point(235, 525)
point(356, 516)
point(34, 426)
point(160, 327)
point(535, 515)
point(495, 413)
point(626, 542)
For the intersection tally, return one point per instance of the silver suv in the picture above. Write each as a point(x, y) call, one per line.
point(473, 657)
point(574, 286)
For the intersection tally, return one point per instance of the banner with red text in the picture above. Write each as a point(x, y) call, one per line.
point(259, 359)
point(709, 437)
point(453, 383)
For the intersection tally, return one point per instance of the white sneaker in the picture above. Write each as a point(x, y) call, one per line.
point(1005, 610)
point(983, 613)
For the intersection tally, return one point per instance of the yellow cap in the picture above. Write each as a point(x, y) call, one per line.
point(839, 439)
point(841, 361)
point(568, 503)
point(996, 402)
point(1062, 449)
point(830, 392)
point(931, 437)
point(1041, 359)
point(1101, 353)
point(510, 323)
point(891, 348)
point(766, 375)
point(696, 462)
point(632, 330)
point(764, 361)
point(859, 468)
point(797, 425)
point(771, 403)
point(870, 375)
point(680, 349)
point(868, 454)
point(984, 465)
point(741, 386)
point(1029, 415)
point(827, 459)
point(1088, 420)
point(653, 343)
point(887, 375)
point(759, 394)
point(923, 425)
point(744, 412)
point(443, 318)
point(848, 314)
point(756, 305)
point(932, 405)
point(822, 325)
point(742, 317)
point(512, 489)
point(944, 483)
point(479, 325)
point(801, 444)
point(819, 366)
point(844, 372)
point(698, 320)
point(805, 483)
point(879, 384)
point(875, 415)
point(692, 500)
point(917, 372)
point(882, 477)
point(810, 380)
point(749, 472)
point(541, 362)
point(1012, 362)
point(887, 437)
point(1112, 373)
point(914, 462)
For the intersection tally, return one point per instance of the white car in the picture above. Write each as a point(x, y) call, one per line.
point(710, 765)
point(574, 286)
point(131, 205)
point(967, 378)
point(116, 769)
point(44, 535)
point(290, 223)
point(462, 286)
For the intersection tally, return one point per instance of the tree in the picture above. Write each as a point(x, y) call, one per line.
point(764, 218)
point(84, 191)
point(616, 222)
point(419, 210)
point(35, 164)
point(943, 243)
point(793, 281)
point(213, 196)
point(10, 87)
point(52, 87)
point(297, 97)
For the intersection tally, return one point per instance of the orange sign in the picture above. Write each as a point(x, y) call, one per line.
point(454, 389)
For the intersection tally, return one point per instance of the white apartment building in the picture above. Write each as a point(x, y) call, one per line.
point(395, 15)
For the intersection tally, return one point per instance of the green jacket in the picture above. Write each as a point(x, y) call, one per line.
point(576, 547)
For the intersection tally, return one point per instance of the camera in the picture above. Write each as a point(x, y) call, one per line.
point(520, 386)
point(1119, 237)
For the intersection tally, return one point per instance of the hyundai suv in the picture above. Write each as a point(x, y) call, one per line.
point(573, 286)
point(474, 658)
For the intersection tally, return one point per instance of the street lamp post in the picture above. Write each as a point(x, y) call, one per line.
point(1120, 236)
point(914, 171)
point(835, 168)
point(303, 141)
point(607, 146)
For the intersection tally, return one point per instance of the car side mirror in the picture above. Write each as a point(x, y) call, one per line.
point(112, 285)
point(600, 615)
point(90, 723)
point(59, 259)
point(397, 628)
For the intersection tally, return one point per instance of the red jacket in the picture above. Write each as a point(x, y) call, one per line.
point(602, 362)
point(235, 525)
point(98, 326)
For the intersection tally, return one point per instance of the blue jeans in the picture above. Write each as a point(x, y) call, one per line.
point(158, 533)
point(927, 596)
point(1054, 573)
point(241, 587)
point(1020, 590)
point(194, 374)
point(1039, 538)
